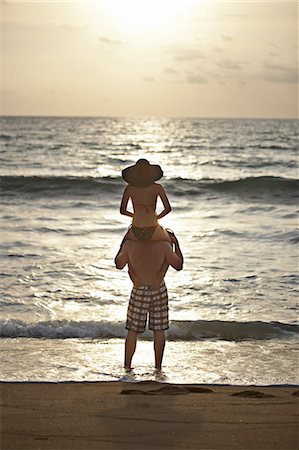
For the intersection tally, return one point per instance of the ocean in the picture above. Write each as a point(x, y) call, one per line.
point(233, 188)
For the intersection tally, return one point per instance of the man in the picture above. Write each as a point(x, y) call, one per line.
point(148, 262)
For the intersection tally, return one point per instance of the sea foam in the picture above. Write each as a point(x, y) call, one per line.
point(179, 330)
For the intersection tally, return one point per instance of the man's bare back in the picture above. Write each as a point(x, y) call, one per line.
point(148, 261)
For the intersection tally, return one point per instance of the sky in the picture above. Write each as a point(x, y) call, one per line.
point(172, 58)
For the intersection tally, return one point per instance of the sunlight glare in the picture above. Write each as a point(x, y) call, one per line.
point(143, 17)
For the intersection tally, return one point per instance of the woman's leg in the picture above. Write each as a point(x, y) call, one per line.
point(161, 234)
point(128, 236)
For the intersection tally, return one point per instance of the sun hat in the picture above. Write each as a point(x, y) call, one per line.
point(142, 174)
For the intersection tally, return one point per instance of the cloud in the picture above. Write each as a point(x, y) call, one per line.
point(230, 64)
point(185, 53)
point(227, 38)
point(109, 41)
point(277, 66)
point(196, 79)
point(148, 79)
point(170, 71)
point(218, 49)
point(282, 77)
point(280, 73)
point(188, 55)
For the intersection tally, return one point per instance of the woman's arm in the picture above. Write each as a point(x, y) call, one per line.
point(165, 201)
point(124, 203)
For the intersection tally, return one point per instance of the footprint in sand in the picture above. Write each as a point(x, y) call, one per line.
point(134, 392)
point(199, 390)
point(252, 394)
point(168, 390)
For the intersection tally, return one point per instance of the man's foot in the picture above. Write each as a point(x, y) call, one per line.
point(160, 375)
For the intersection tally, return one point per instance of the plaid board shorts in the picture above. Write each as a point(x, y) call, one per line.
point(145, 301)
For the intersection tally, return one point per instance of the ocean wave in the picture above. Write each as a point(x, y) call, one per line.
point(5, 137)
point(263, 183)
point(74, 186)
point(55, 186)
point(251, 163)
point(289, 236)
point(179, 330)
point(283, 146)
point(269, 187)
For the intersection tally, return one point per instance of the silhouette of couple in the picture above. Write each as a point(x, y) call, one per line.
point(148, 249)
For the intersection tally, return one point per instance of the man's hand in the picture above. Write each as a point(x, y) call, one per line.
point(121, 258)
point(172, 236)
point(176, 249)
point(125, 237)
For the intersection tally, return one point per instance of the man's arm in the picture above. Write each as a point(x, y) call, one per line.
point(121, 258)
point(174, 258)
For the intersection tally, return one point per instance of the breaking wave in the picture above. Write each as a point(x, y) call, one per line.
point(78, 186)
point(179, 330)
point(58, 186)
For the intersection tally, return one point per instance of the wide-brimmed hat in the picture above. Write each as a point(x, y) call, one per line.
point(142, 174)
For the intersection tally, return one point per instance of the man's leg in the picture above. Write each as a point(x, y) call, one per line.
point(159, 345)
point(130, 347)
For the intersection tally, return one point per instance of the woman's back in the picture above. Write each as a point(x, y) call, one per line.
point(144, 202)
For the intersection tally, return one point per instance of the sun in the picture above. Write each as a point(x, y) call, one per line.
point(142, 17)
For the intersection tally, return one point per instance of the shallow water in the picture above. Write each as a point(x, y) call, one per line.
point(234, 192)
point(208, 362)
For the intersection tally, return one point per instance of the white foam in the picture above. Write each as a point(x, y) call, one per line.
point(179, 330)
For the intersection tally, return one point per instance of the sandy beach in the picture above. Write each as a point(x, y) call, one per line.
point(147, 415)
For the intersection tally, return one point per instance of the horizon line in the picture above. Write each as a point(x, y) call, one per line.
point(146, 116)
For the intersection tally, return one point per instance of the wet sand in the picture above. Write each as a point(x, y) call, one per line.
point(147, 415)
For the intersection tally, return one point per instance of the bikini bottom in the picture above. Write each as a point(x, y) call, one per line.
point(144, 233)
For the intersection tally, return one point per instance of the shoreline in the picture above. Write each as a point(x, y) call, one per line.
point(129, 382)
point(148, 415)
